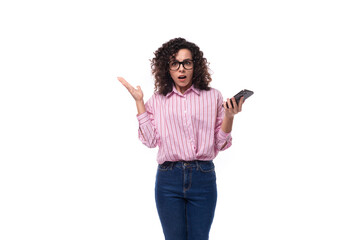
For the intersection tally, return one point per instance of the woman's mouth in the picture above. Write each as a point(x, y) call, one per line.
point(182, 77)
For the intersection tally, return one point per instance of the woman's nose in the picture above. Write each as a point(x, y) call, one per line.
point(181, 68)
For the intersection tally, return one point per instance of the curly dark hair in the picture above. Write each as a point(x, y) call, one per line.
point(160, 65)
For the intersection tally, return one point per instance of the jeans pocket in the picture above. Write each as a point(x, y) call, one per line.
point(165, 166)
point(206, 166)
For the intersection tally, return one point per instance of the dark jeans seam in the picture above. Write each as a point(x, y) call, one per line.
point(186, 221)
point(189, 176)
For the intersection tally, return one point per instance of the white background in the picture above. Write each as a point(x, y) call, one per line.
point(72, 166)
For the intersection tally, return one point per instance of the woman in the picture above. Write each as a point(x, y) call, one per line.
point(190, 124)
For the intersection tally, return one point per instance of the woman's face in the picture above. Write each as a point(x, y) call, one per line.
point(182, 75)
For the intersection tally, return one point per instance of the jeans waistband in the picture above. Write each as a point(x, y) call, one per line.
point(181, 164)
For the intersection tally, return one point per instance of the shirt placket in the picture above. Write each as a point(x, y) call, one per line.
point(189, 131)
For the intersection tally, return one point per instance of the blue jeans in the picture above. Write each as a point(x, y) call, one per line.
point(185, 194)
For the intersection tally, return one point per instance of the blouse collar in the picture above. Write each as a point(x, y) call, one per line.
point(192, 88)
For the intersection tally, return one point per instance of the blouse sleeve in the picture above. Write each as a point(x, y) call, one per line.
point(147, 129)
point(222, 140)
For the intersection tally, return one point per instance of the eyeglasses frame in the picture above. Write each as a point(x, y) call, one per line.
point(182, 63)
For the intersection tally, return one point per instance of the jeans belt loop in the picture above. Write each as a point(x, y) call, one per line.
point(197, 165)
point(171, 165)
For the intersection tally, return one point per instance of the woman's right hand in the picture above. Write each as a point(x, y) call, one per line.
point(135, 92)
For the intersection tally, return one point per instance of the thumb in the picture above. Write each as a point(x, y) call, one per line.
point(138, 87)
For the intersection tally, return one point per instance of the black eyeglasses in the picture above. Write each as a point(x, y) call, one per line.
point(187, 64)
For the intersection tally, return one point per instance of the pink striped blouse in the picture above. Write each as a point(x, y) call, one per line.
point(184, 126)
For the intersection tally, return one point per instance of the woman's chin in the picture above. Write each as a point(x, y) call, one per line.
point(183, 84)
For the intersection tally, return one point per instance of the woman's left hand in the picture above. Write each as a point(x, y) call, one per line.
point(231, 111)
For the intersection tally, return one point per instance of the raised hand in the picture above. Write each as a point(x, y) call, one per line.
point(136, 93)
point(232, 111)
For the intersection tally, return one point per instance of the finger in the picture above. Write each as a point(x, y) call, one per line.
point(121, 79)
point(229, 104)
point(241, 103)
point(242, 100)
point(234, 103)
point(224, 105)
point(125, 83)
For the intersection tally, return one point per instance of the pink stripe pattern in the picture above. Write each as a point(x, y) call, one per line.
point(184, 126)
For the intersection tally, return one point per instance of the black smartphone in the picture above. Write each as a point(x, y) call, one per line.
point(246, 93)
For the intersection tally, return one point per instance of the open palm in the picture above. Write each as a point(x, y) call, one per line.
point(135, 92)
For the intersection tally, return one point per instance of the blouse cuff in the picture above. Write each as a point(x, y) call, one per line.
point(223, 136)
point(143, 118)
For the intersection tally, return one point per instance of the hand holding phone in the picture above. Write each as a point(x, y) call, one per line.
point(246, 93)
